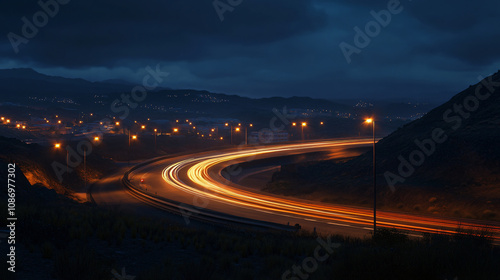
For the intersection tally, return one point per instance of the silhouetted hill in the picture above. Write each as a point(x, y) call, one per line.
point(17, 85)
point(451, 153)
point(26, 86)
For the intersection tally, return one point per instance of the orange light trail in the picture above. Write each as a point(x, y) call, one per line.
point(206, 181)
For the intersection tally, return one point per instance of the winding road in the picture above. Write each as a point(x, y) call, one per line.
point(200, 186)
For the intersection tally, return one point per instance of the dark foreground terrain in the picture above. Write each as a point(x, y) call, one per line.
point(57, 238)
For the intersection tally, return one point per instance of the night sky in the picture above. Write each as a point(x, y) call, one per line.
point(428, 51)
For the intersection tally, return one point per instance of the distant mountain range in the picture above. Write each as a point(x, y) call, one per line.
point(21, 85)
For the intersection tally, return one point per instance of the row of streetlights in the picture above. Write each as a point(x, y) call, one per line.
point(238, 129)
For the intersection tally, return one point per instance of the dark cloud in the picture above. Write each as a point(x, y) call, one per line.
point(282, 47)
point(102, 33)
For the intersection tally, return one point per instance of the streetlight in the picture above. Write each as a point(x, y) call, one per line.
point(134, 137)
point(176, 130)
point(372, 121)
point(85, 167)
point(143, 127)
point(117, 123)
point(304, 124)
point(155, 130)
point(58, 146)
point(96, 138)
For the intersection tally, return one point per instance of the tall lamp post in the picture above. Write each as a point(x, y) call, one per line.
point(85, 168)
point(58, 146)
point(133, 137)
point(237, 129)
point(304, 124)
point(372, 121)
point(155, 130)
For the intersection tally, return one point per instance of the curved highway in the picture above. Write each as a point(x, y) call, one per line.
point(200, 183)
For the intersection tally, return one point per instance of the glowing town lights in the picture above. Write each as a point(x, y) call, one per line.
point(194, 127)
point(321, 123)
point(96, 138)
point(237, 129)
point(59, 121)
point(8, 121)
point(134, 137)
point(187, 120)
point(57, 116)
point(213, 129)
point(369, 120)
point(47, 121)
point(294, 124)
point(239, 124)
point(222, 138)
point(80, 121)
point(251, 125)
point(18, 126)
point(91, 114)
point(117, 123)
point(100, 123)
point(148, 119)
point(176, 121)
point(2, 118)
point(190, 123)
point(156, 130)
point(57, 146)
point(143, 127)
point(304, 124)
point(176, 130)
point(24, 127)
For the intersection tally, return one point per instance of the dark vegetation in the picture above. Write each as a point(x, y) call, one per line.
point(58, 238)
